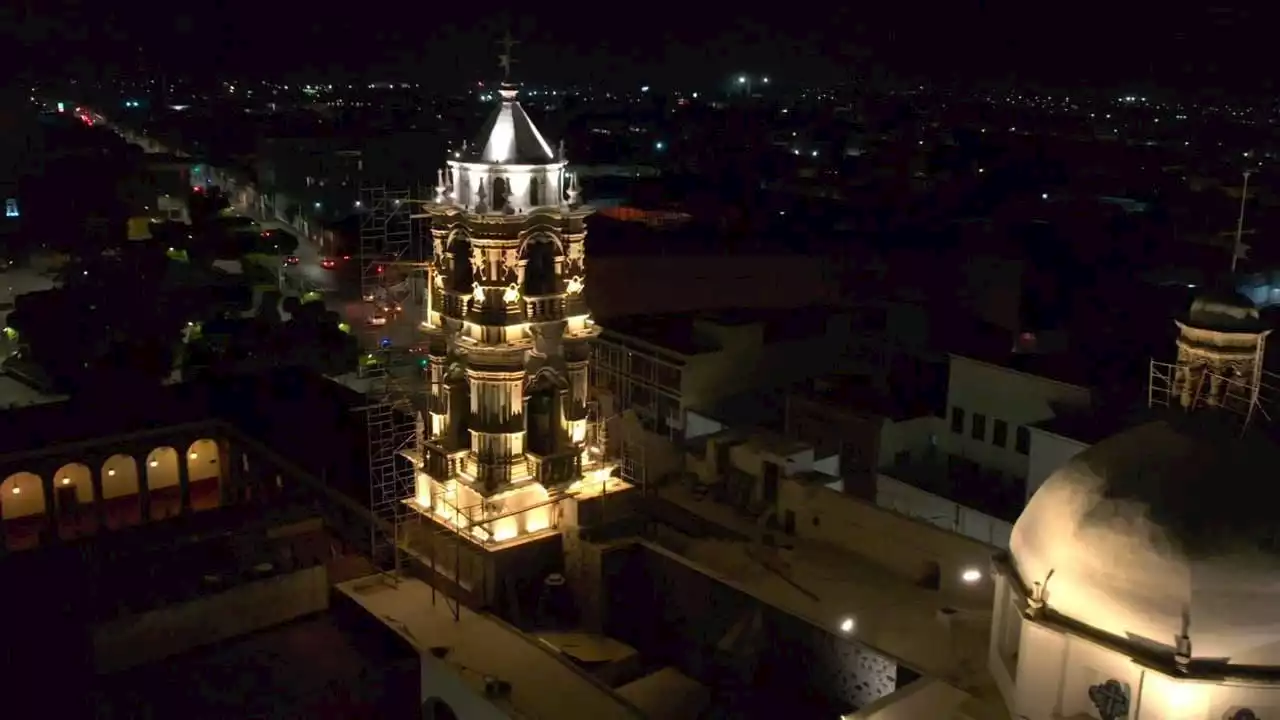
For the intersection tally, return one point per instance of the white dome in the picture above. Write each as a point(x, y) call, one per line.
point(1161, 521)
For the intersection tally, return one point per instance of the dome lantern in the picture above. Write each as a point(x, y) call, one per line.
point(1221, 343)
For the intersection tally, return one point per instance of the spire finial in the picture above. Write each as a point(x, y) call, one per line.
point(505, 59)
point(560, 151)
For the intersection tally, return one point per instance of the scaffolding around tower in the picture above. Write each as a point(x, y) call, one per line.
point(387, 243)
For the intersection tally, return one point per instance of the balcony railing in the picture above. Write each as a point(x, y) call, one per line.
point(544, 309)
point(559, 469)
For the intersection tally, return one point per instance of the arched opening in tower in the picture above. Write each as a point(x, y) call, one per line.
point(500, 191)
point(459, 403)
point(540, 271)
point(541, 417)
point(460, 276)
point(535, 198)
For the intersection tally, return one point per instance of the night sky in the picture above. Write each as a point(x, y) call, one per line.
point(1174, 45)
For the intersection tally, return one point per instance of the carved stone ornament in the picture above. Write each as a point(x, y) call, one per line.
point(1111, 698)
point(510, 262)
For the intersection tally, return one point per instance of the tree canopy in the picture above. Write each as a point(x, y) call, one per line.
point(310, 338)
point(118, 318)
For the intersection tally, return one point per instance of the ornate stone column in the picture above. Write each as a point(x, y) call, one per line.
point(144, 486)
point(99, 503)
point(184, 479)
point(49, 534)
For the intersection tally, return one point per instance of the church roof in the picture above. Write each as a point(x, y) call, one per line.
point(509, 137)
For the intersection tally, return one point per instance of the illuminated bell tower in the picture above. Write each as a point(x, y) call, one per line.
point(506, 433)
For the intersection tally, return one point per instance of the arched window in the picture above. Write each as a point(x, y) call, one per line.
point(461, 276)
point(540, 271)
point(535, 194)
point(500, 191)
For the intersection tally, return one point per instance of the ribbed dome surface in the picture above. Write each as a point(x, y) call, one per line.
point(1163, 521)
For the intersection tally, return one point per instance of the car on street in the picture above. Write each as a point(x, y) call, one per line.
point(328, 263)
point(291, 260)
point(377, 318)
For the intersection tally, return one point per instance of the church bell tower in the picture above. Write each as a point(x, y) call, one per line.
point(506, 434)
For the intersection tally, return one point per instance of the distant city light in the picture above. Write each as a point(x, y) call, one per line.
point(742, 79)
point(765, 79)
point(644, 88)
point(659, 145)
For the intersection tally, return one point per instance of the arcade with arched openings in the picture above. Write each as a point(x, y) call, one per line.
point(106, 491)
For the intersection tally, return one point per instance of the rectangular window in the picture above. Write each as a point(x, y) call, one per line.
point(979, 426)
point(957, 420)
point(1000, 433)
point(1022, 441)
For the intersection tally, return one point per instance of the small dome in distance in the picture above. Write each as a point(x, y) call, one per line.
point(1224, 310)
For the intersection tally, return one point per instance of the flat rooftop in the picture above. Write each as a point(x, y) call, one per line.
point(858, 395)
point(825, 585)
point(681, 332)
point(15, 394)
point(543, 685)
point(310, 668)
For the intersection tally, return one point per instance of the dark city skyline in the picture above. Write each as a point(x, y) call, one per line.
point(666, 44)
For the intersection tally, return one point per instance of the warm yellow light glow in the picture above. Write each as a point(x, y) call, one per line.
point(1176, 699)
point(154, 463)
point(111, 473)
point(848, 625)
point(505, 529)
point(66, 481)
point(17, 490)
point(971, 575)
point(194, 455)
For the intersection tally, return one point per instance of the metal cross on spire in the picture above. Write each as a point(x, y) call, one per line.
point(505, 59)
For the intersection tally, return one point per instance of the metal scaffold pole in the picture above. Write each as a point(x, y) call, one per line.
point(386, 239)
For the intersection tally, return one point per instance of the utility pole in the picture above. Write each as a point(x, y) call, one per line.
point(1236, 246)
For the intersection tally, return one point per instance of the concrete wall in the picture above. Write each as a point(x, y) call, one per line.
point(750, 655)
point(999, 393)
point(917, 437)
point(1048, 453)
point(936, 510)
point(139, 639)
